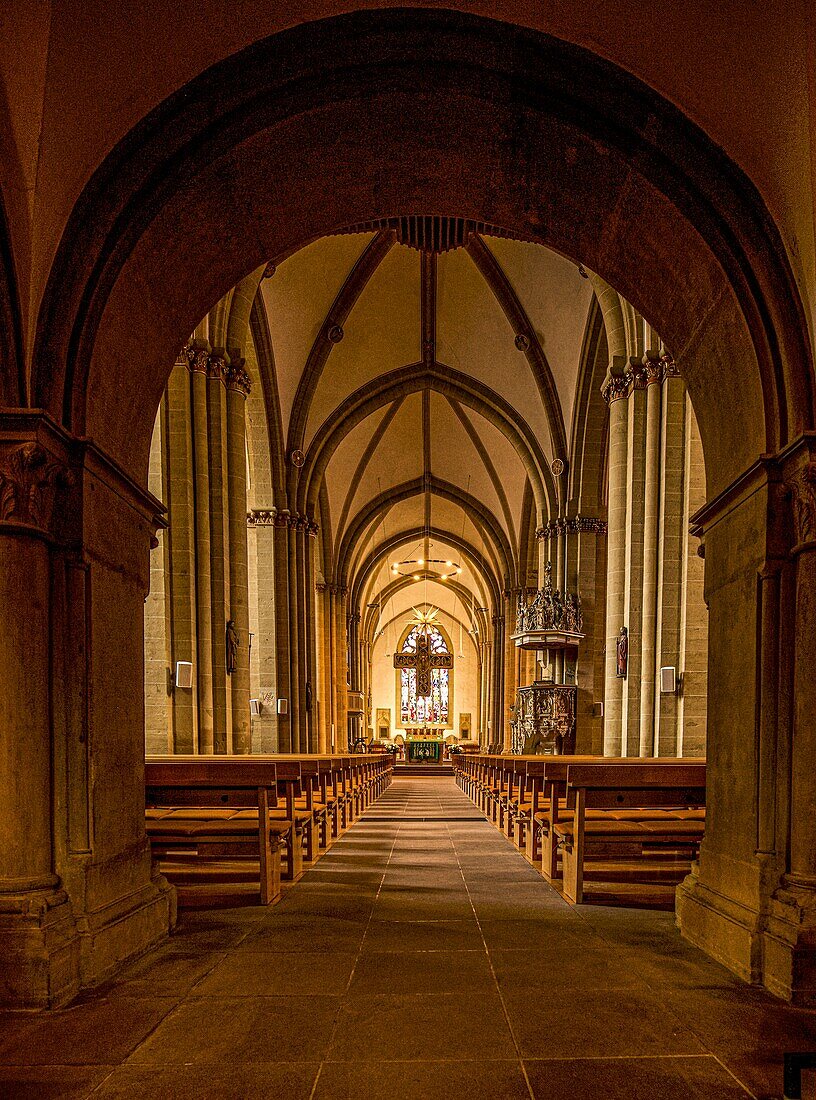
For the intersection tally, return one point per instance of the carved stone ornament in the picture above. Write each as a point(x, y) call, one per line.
point(522, 342)
point(574, 526)
point(803, 498)
point(297, 458)
point(652, 370)
point(237, 379)
point(670, 368)
point(335, 334)
point(262, 517)
point(198, 359)
point(615, 387)
point(269, 270)
point(557, 467)
point(29, 479)
point(216, 368)
point(636, 377)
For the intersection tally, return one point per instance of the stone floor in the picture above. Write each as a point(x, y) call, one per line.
point(423, 958)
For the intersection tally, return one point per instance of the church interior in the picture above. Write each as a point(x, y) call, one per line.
point(407, 550)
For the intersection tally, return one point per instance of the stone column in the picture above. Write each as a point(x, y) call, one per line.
point(633, 584)
point(77, 891)
point(312, 716)
point(283, 647)
point(802, 484)
point(198, 361)
point(356, 722)
point(323, 669)
point(498, 733)
point(295, 668)
point(510, 664)
point(651, 502)
point(672, 551)
point(219, 578)
point(37, 919)
point(615, 391)
point(341, 667)
point(179, 489)
point(238, 386)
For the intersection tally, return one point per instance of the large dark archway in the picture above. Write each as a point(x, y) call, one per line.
point(380, 114)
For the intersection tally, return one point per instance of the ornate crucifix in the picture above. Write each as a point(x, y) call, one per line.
point(423, 661)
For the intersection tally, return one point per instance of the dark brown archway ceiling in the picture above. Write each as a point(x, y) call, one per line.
point(464, 303)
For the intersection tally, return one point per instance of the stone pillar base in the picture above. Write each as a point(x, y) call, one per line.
point(39, 948)
point(776, 948)
point(728, 931)
point(48, 953)
point(789, 944)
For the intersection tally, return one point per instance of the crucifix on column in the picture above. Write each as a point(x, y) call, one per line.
point(423, 661)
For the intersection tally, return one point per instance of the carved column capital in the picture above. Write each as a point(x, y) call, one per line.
point(30, 479)
point(636, 377)
point(669, 368)
point(652, 370)
point(236, 378)
point(615, 388)
point(802, 485)
point(196, 358)
point(262, 517)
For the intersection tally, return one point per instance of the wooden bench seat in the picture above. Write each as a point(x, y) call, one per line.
point(209, 809)
point(629, 803)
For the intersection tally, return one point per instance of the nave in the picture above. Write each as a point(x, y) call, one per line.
point(422, 957)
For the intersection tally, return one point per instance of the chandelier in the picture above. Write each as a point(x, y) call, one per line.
point(432, 569)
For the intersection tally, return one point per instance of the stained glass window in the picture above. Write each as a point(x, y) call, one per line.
point(417, 710)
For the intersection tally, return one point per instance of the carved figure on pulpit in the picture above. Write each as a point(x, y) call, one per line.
point(573, 621)
point(521, 612)
point(557, 610)
point(533, 616)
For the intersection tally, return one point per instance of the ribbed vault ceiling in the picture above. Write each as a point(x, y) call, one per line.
point(429, 392)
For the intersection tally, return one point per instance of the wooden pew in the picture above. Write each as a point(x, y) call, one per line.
point(211, 804)
point(218, 806)
point(643, 805)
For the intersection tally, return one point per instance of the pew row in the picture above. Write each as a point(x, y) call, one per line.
point(642, 821)
point(217, 815)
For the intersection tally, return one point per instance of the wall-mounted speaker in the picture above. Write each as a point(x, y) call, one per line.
point(255, 707)
point(184, 674)
point(283, 706)
point(668, 680)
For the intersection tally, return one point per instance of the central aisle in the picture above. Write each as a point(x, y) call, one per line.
point(421, 958)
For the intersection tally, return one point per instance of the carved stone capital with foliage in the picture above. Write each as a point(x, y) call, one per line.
point(802, 486)
point(615, 388)
point(236, 378)
point(30, 479)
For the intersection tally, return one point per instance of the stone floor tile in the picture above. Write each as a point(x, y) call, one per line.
point(582, 968)
point(168, 972)
point(429, 1080)
point(701, 1078)
point(423, 1027)
point(236, 1030)
point(407, 904)
point(423, 972)
point(102, 1031)
point(422, 936)
point(50, 1082)
point(304, 973)
point(257, 1081)
point(589, 1023)
point(299, 932)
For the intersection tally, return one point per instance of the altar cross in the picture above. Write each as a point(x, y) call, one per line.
point(423, 661)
